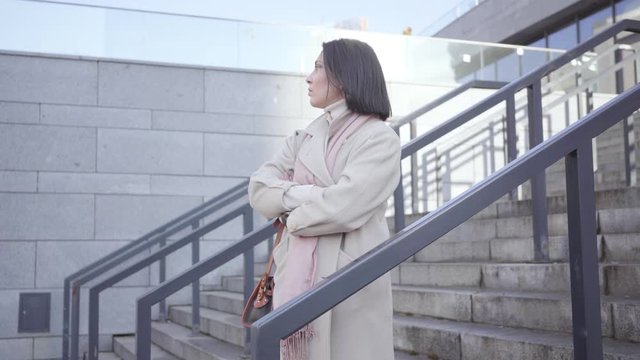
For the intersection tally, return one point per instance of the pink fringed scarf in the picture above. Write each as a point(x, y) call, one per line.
point(300, 271)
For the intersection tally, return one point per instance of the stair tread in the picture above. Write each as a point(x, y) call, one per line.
point(549, 338)
point(509, 293)
point(225, 294)
point(129, 344)
point(216, 315)
point(511, 263)
point(199, 342)
point(108, 356)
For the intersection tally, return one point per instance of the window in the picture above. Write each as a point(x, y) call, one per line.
point(595, 23)
point(628, 9)
point(565, 38)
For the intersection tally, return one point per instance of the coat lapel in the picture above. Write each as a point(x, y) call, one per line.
point(312, 151)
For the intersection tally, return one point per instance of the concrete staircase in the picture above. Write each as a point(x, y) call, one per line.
point(474, 294)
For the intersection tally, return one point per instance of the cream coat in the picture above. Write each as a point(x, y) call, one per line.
point(350, 203)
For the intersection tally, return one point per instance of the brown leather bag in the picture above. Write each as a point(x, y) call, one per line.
point(260, 302)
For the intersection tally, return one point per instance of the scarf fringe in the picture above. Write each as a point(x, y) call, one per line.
point(296, 346)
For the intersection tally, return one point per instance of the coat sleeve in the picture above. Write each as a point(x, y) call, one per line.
point(370, 176)
point(267, 185)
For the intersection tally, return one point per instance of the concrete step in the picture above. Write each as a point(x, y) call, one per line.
point(108, 356)
point(125, 348)
point(181, 342)
point(611, 248)
point(495, 250)
point(615, 278)
point(621, 247)
point(235, 283)
point(605, 199)
point(221, 325)
point(445, 339)
point(609, 221)
point(226, 301)
point(543, 311)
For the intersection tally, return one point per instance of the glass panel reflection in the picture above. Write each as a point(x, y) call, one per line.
point(77, 30)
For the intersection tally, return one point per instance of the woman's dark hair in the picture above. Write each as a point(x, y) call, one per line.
point(353, 67)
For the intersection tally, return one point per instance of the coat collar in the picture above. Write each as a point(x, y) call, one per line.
point(313, 152)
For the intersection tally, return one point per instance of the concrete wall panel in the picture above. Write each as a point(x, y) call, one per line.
point(202, 122)
point(246, 93)
point(46, 216)
point(30, 147)
point(129, 217)
point(95, 116)
point(238, 155)
point(149, 152)
point(18, 181)
point(19, 113)
point(92, 183)
point(18, 265)
point(40, 79)
point(151, 87)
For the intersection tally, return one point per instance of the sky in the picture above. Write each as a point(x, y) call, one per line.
point(390, 16)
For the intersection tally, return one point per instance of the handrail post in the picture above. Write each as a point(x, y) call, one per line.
point(398, 207)
point(75, 321)
point(398, 201)
point(162, 306)
point(512, 150)
point(414, 170)
point(583, 253)
point(625, 122)
point(195, 286)
point(249, 259)
point(65, 319)
point(143, 330)
point(538, 185)
point(94, 318)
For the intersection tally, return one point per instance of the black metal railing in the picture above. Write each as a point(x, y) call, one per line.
point(574, 144)
point(158, 236)
point(532, 83)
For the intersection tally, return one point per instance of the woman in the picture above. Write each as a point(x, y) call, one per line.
point(330, 184)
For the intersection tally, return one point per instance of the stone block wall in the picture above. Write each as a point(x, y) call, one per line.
point(95, 153)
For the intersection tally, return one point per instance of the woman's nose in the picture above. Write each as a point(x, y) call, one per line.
point(308, 79)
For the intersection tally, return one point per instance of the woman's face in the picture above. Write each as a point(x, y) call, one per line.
point(321, 92)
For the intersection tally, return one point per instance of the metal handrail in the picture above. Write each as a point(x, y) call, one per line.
point(162, 253)
point(361, 271)
point(73, 282)
point(158, 235)
point(146, 301)
point(528, 80)
point(473, 84)
point(582, 86)
point(532, 82)
point(574, 143)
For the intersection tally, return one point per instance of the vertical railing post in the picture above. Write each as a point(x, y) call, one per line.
point(398, 200)
point(626, 128)
point(94, 326)
point(398, 208)
point(414, 171)
point(538, 182)
point(143, 330)
point(249, 260)
point(512, 150)
point(195, 286)
point(583, 253)
point(75, 321)
point(162, 276)
point(65, 319)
